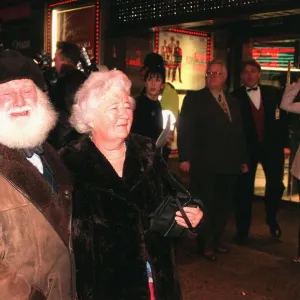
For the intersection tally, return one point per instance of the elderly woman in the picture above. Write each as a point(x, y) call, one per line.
point(118, 183)
point(290, 94)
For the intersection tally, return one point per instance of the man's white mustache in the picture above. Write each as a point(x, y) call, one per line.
point(18, 110)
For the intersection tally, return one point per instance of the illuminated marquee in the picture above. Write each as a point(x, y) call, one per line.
point(277, 56)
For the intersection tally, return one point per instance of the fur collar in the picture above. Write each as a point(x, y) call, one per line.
point(90, 165)
point(28, 180)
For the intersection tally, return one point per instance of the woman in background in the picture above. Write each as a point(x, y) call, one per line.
point(148, 114)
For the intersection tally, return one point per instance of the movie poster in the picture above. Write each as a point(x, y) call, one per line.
point(185, 59)
point(77, 26)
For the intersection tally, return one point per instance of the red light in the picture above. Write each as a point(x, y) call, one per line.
point(97, 18)
point(62, 3)
point(189, 32)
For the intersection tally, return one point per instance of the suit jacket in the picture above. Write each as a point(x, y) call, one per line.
point(207, 138)
point(275, 131)
point(62, 96)
point(35, 261)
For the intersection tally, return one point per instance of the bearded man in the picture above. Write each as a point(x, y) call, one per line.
point(35, 190)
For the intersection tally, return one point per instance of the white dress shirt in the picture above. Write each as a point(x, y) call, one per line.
point(37, 162)
point(255, 96)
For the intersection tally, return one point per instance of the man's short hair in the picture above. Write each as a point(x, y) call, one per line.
point(69, 51)
point(156, 73)
point(250, 62)
point(217, 61)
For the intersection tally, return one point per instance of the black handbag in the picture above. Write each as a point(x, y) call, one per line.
point(162, 220)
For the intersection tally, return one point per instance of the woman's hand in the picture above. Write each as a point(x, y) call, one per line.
point(194, 214)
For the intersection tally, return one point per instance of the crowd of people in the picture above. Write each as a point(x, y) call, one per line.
point(76, 220)
point(81, 176)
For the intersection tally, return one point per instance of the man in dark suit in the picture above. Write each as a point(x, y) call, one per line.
point(266, 133)
point(62, 95)
point(212, 149)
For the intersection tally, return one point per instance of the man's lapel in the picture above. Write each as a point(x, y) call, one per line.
point(263, 95)
point(31, 183)
point(232, 108)
point(61, 205)
point(269, 110)
point(212, 101)
point(245, 102)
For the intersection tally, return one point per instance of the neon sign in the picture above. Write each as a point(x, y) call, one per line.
point(274, 56)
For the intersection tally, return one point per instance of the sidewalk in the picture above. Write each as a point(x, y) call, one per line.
point(262, 270)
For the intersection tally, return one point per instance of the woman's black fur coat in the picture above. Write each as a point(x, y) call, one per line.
point(109, 220)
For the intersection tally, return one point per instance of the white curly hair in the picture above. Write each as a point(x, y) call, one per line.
point(99, 87)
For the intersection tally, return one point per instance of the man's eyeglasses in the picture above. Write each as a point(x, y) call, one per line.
point(213, 74)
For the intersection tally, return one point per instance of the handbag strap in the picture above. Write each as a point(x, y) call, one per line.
point(175, 184)
point(183, 213)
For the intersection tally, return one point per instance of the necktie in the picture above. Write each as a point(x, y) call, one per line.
point(224, 106)
point(252, 89)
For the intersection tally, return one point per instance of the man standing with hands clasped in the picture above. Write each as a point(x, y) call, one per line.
point(266, 134)
point(212, 150)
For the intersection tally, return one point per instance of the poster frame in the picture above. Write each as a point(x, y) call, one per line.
point(70, 4)
point(159, 30)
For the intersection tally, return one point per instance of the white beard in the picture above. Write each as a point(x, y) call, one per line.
point(28, 131)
